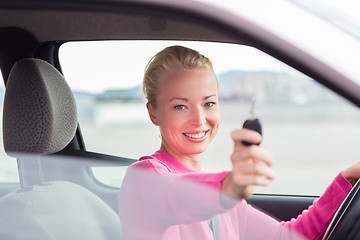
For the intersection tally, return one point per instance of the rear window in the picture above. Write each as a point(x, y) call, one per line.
point(8, 166)
point(311, 131)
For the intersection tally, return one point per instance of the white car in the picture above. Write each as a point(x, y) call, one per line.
point(68, 141)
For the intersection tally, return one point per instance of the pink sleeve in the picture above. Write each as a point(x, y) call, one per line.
point(313, 222)
point(167, 198)
point(254, 224)
point(196, 196)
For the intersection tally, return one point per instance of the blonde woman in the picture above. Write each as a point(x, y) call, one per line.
point(168, 196)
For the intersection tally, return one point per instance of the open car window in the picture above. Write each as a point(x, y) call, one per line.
point(311, 132)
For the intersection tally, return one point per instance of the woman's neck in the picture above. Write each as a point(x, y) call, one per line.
point(193, 161)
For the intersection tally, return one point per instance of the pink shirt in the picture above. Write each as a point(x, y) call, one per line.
point(161, 198)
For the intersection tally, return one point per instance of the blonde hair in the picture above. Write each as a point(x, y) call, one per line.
point(171, 59)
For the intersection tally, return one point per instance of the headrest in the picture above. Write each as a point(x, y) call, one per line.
point(39, 114)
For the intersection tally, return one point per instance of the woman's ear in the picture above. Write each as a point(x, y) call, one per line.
point(152, 114)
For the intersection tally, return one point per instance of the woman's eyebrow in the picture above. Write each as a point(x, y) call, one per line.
point(178, 98)
point(207, 97)
point(186, 99)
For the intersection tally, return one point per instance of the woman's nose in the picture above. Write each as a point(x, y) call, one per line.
point(198, 117)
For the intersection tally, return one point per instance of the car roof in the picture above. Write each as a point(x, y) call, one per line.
point(98, 20)
point(59, 21)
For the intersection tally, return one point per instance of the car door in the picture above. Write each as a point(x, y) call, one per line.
point(303, 116)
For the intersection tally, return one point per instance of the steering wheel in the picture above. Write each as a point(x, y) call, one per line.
point(346, 221)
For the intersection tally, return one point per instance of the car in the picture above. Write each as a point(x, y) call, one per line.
point(69, 140)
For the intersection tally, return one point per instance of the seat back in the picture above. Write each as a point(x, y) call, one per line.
point(40, 113)
point(40, 118)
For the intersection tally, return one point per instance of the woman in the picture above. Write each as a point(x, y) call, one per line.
point(162, 195)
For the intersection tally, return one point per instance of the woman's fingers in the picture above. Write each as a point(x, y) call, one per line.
point(251, 164)
point(252, 172)
point(247, 135)
point(253, 151)
point(352, 173)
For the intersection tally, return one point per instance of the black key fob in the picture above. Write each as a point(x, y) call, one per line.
point(252, 124)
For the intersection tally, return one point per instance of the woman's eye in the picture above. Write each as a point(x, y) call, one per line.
point(209, 104)
point(179, 107)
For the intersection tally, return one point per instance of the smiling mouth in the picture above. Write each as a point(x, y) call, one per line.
point(196, 135)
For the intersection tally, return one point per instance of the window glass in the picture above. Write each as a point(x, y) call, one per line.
point(311, 131)
point(8, 166)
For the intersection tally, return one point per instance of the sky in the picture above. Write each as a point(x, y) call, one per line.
point(118, 61)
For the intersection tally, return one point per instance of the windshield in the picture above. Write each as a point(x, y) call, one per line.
point(327, 32)
point(342, 14)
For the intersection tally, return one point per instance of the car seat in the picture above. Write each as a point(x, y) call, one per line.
point(40, 118)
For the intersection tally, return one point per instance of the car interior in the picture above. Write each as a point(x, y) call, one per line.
point(40, 127)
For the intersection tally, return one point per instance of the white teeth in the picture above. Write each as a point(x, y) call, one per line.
point(198, 135)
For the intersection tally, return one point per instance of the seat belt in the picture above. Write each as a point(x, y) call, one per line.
point(215, 227)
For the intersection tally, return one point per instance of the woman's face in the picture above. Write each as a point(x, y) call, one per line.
point(187, 111)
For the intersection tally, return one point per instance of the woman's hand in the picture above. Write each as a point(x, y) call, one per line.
point(352, 174)
point(251, 166)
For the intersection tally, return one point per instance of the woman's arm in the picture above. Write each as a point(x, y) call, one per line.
point(150, 191)
point(314, 221)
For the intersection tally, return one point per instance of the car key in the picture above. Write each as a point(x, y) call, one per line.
point(252, 123)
